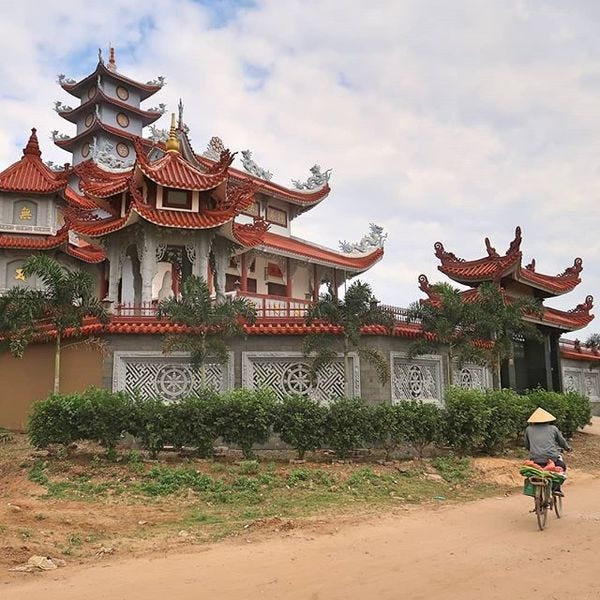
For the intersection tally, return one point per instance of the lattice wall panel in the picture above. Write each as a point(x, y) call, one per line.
point(584, 381)
point(416, 379)
point(167, 377)
point(290, 375)
point(472, 377)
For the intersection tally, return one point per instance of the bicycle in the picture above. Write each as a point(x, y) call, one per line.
point(545, 498)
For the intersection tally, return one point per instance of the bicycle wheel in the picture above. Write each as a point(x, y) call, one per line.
point(558, 509)
point(541, 507)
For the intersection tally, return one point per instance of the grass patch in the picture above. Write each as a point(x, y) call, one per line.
point(453, 469)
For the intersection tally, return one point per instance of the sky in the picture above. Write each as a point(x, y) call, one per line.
point(442, 121)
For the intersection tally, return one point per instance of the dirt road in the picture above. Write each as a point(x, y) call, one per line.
point(483, 550)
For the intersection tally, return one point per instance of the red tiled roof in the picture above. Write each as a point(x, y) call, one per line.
point(495, 268)
point(301, 248)
point(298, 197)
point(37, 242)
point(75, 89)
point(250, 234)
point(172, 170)
point(573, 350)
point(30, 174)
point(99, 227)
point(89, 106)
point(77, 201)
point(88, 253)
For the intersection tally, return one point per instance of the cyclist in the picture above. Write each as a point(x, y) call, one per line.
point(545, 441)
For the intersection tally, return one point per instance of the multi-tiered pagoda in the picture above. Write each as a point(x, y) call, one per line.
point(149, 211)
point(535, 363)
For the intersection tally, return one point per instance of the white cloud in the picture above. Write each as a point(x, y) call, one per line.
point(442, 120)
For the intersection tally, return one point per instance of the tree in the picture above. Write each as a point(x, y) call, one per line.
point(479, 328)
point(211, 323)
point(358, 308)
point(66, 299)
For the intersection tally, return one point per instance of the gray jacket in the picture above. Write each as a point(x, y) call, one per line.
point(544, 441)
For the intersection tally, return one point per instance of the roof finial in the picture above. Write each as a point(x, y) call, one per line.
point(112, 65)
point(172, 143)
point(100, 59)
point(32, 148)
point(180, 121)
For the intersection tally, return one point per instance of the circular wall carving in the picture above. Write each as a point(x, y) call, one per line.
point(174, 381)
point(296, 379)
point(122, 93)
point(122, 119)
point(122, 149)
point(85, 150)
point(89, 119)
point(91, 91)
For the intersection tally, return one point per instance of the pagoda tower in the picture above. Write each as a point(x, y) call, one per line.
point(535, 363)
point(109, 116)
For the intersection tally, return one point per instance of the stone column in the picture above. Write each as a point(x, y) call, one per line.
point(147, 253)
point(222, 254)
point(198, 253)
point(115, 267)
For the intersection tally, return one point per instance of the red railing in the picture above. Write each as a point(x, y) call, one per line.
point(267, 307)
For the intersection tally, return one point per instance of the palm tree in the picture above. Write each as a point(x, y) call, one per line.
point(211, 322)
point(66, 299)
point(480, 329)
point(358, 308)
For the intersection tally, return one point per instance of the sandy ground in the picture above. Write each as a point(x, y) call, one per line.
point(489, 549)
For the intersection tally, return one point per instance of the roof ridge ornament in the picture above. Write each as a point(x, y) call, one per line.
point(64, 80)
point(60, 107)
point(316, 180)
point(32, 148)
point(101, 154)
point(444, 256)
point(371, 241)
point(252, 168)
point(531, 266)
point(158, 135)
point(585, 307)
point(515, 245)
point(574, 270)
point(161, 109)
point(172, 143)
point(112, 65)
point(490, 249)
point(214, 149)
point(59, 137)
point(160, 81)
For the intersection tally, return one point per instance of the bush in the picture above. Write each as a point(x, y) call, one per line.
point(572, 410)
point(387, 426)
point(507, 414)
point(421, 424)
point(347, 425)
point(103, 416)
point(55, 420)
point(246, 417)
point(466, 417)
point(194, 422)
point(151, 422)
point(300, 422)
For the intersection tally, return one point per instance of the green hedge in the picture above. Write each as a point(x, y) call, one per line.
point(471, 421)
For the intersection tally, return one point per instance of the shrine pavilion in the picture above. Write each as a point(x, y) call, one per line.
point(141, 210)
point(535, 363)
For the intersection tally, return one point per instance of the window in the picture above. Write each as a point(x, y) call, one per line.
point(25, 213)
point(276, 289)
point(177, 199)
point(253, 210)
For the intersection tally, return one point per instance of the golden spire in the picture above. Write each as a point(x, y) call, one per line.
point(173, 143)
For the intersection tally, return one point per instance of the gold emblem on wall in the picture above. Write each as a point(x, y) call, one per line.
point(19, 275)
point(25, 214)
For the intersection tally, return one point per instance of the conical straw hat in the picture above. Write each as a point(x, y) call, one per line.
point(540, 415)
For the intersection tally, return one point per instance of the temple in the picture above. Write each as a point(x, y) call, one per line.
point(145, 212)
point(141, 210)
point(535, 363)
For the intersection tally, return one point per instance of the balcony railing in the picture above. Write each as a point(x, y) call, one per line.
point(267, 308)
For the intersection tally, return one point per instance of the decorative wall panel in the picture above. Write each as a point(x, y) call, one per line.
point(472, 377)
point(416, 378)
point(155, 375)
point(584, 381)
point(288, 373)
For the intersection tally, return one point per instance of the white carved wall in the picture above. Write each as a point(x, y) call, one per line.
point(418, 378)
point(582, 380)
point(288, 373)
point(155, 375)
point(472, 377)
